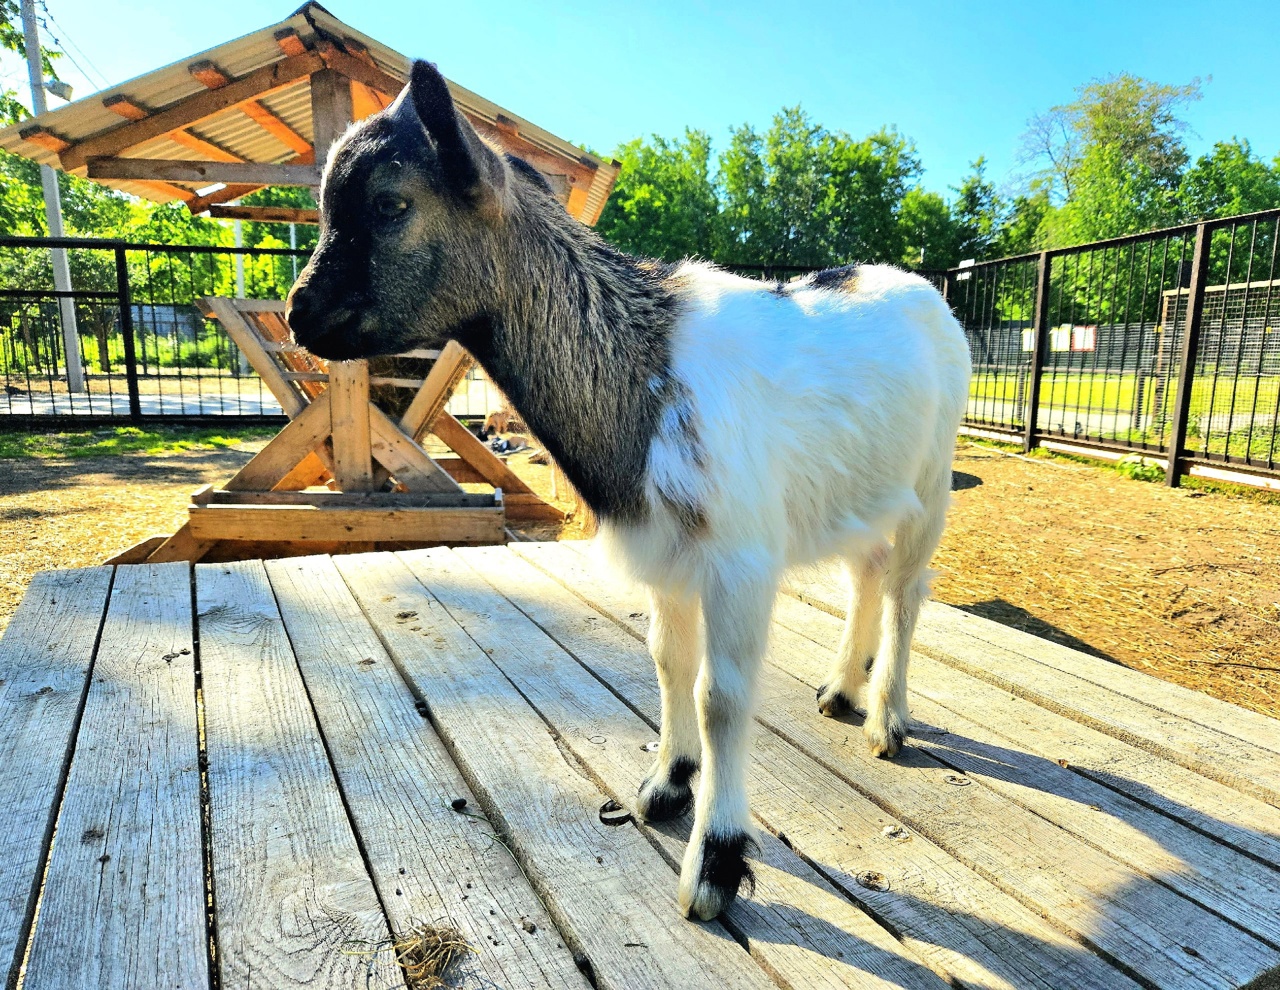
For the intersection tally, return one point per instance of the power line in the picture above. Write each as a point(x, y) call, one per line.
point(48, 23)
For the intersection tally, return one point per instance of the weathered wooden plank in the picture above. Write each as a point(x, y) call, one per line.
point(45, 657)
point(465, 444)
point(181, 546)
point(310, 522)
point(124, 899)
point(246, 338)
point(288, 913)
point(957, 920)
point(1106, 904)
point(349, 418)
point(203, 172)
point(1243, 822)
point(1196, 706)
point(1239, 764)
point(400, 455)
point(1194, 864)
point(795, 923)
point(450, 368)
point(1213, 718)
point(287, 449)
point(428, 861)
point(383, 500)
point(607, 888)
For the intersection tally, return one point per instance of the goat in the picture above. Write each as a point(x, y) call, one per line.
point(720, 428)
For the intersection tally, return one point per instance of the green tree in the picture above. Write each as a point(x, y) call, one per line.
point(1112, 159)
point(803, 195)
point(12, 109)
point(664, 205)
point(929, 231)
point(1228, 181)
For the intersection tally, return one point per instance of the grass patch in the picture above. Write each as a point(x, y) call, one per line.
point(108, 442)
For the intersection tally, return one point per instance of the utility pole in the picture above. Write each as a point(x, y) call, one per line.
point(53, 208)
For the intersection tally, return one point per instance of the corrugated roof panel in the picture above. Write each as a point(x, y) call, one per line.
point(236, 132)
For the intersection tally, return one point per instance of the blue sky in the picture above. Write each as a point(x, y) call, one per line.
point(959, 79)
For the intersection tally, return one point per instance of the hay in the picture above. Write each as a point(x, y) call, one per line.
point(425, 952)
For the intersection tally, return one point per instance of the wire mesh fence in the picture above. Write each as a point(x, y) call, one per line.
point(131, 340)
point(1161, 343)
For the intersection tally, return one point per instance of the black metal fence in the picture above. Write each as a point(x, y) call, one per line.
point(141, 348)
point(1165, 343)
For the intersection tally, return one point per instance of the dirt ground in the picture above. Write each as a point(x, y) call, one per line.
point(1179, 583)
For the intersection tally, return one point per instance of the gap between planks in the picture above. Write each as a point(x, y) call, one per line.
point(1096, 887)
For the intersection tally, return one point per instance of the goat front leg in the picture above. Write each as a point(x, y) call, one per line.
point(737, 604)
point(675, 643)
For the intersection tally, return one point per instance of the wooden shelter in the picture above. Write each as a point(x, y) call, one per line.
point(263, 111)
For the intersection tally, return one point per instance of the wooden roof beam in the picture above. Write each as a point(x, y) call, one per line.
point(192, 110)
point(45, 138)
point(201, 204)
point(126, 108)
point(265, 214)
point(288, 41)
point(215, 78)
point(203, 172)
point(276, 127)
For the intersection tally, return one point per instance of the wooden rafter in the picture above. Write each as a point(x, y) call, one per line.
point(288, 41)
point(265, 214)
point(276, 127)
point(45, 138)
point(203, 172)
point(214, 77)
point(196, 143)
point(200, 204)
point(193, 109)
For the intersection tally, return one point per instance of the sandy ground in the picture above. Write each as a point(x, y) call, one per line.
point(1180, 583)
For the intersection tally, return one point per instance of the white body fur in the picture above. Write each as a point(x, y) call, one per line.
point(826, 421)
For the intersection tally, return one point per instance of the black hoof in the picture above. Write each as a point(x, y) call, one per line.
point(833, 704)
point(662, 802)
point(724, 873)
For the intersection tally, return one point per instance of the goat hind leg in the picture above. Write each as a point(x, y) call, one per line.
point(848, 675)
point(906, 586)
point(737, 605)
point(676, 648)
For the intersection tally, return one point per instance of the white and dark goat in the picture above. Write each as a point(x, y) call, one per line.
point(722, 429)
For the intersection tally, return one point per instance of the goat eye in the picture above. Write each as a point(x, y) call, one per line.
point(391, 206)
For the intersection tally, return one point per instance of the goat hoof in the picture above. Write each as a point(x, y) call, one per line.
point(661, 800)
point(832, 703)
point(721, 869)
point(885, 743)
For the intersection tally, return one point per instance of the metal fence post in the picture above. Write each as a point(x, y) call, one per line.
point(1190, 347)
point(1040, 337)
point(126, 331)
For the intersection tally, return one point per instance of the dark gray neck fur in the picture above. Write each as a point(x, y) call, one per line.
point(579, 339)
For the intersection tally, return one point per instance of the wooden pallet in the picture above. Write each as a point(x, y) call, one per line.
point(252, 768)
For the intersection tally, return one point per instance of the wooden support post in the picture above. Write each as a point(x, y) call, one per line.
point(349, 416)
point(1038, 347)
point(1190, 348)
point(330, 110)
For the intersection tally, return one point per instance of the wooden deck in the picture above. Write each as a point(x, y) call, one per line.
point(256, 774)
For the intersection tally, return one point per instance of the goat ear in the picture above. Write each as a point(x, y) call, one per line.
point(470, 167)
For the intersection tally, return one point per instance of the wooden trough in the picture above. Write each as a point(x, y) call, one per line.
point(260, 769)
